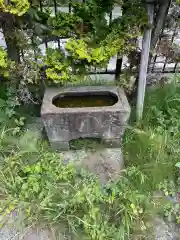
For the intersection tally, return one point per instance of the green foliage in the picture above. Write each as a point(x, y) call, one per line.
point(93, 15)
point(149, 151)
point(89, 56)
point(4, 62)
point(22, 74)
point(17, 7)
point(57, 67)
point(80, 59)
point(127, 81)
point(50, 191)
point(154, 147)
point(166, 110)
point(168, 188)
point(79, 50)
point(62, 69)
point(9, 103)
point(171, 207)
point(93, 41)
point(36, 183)
point(8, 113)
point(39, 187)
point(64, 24)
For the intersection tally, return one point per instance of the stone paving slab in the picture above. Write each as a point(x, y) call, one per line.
point(106, 163)
point(165, 231)
point(31, 234)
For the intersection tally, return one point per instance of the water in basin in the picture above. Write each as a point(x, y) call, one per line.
point(87, 99)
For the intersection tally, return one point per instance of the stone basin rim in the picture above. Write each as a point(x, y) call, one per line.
point(84, 94)
point(121, 105)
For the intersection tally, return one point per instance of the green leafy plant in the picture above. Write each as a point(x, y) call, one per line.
point(17, 7)
point(172, 207)
point(93, 41)
point(8, 105)
point(8, 113)
point(50, 191)
point(79, 50)
point(57, 68)
point(4, 63)
point(154, 146)
point(64, 24)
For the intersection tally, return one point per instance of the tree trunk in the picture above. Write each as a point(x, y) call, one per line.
point(159, 22)
point(8, 27)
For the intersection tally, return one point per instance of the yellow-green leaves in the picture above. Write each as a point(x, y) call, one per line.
point(78, 49)
point(3, 58)
point(95, 56)
point(57, 69)
point(17, 7)
point(3, 63)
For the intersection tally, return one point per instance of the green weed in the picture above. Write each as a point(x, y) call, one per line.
point(64, 195)
point(153, 145)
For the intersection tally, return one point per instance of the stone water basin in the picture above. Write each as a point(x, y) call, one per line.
point(84, 112)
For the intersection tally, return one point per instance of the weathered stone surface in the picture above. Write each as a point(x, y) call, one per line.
point(65, 124)
point(106, 163)
point(8, 233)
point(165, 231)
point(34, 234)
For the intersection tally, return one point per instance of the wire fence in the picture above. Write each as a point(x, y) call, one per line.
point(166, 58)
